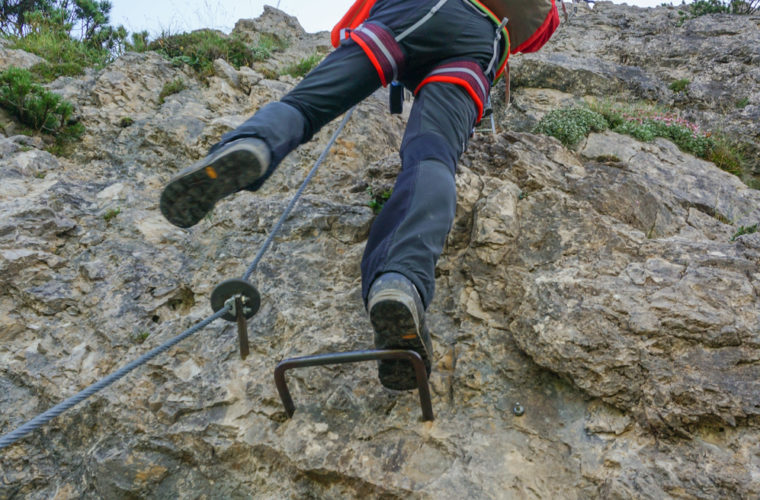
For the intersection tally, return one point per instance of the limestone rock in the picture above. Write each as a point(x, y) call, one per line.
point(294, 43)
point(272, 22)
point(615, 50)
point(607, 263)
point(17, 58)
point(607, 290)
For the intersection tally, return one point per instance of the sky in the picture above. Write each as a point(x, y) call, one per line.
point(177, 16)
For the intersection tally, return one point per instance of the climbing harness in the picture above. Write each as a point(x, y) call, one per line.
point(466, 74)
point(237, 300)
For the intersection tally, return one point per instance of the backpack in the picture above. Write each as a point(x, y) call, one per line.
point(530, 22)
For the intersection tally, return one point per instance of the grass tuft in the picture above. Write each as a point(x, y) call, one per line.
point(302, 67)
point(170, 88)
point(571, 125)
point(266, 46)
point(744, 230)
point(201, 48)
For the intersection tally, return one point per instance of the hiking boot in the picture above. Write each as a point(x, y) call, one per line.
point(193, 192)
point(398, 317)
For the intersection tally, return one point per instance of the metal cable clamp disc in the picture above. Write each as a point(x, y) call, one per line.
point(228, 290)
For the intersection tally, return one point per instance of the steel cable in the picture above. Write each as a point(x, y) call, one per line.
point(44, 418)
point(298, 194)
point(77, 398)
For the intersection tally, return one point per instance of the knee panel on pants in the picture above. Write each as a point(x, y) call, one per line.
point(428, 145)
point(465, 73)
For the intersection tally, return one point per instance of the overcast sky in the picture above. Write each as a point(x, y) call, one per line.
point(176, 16)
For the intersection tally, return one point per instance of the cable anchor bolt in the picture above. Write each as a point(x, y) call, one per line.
point(242, 301)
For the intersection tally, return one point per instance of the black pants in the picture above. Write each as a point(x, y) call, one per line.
point(409, 234)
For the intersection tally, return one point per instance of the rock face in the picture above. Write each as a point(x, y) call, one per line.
point(606, 290)
point(615, 50)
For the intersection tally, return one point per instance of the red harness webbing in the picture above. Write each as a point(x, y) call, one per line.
point(357, 14)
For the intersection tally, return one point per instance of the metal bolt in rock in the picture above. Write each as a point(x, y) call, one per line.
point(518, 410)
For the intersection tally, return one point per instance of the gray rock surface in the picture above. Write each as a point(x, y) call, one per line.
point(616, 51)
point(286, 31)
point(605, 290)
point(17, 58)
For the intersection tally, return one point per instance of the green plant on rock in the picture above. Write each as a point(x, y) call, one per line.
point(679, 85)
point(266, 46)
point(34, 106)
point(65, 138)
point(46, 72)
point(139, 42)
point(647, 122)
point(269, 73)
point(704, 7)
point(742, 103)
point(140, 337)
point(744, 230)
point(173, 87)
point(110, 214)
point(302, 67)
point(69, 35)
point(571, 125)
point(377, 200)
point(726, 155)
point(200, 49)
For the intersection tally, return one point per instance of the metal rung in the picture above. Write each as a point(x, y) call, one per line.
point(355, 357)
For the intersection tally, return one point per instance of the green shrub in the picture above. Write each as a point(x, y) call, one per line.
point(570, 125)
point(679, 85)
point(173, 87)
point(47, 27)
point(302, 67)
point(85, 20)
point(200, 49)
point(39, 109)
point(64, 56)
point(704, 7)
point(725, 155)
point(139, 42)
point(67, 136)
point(646, 123)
